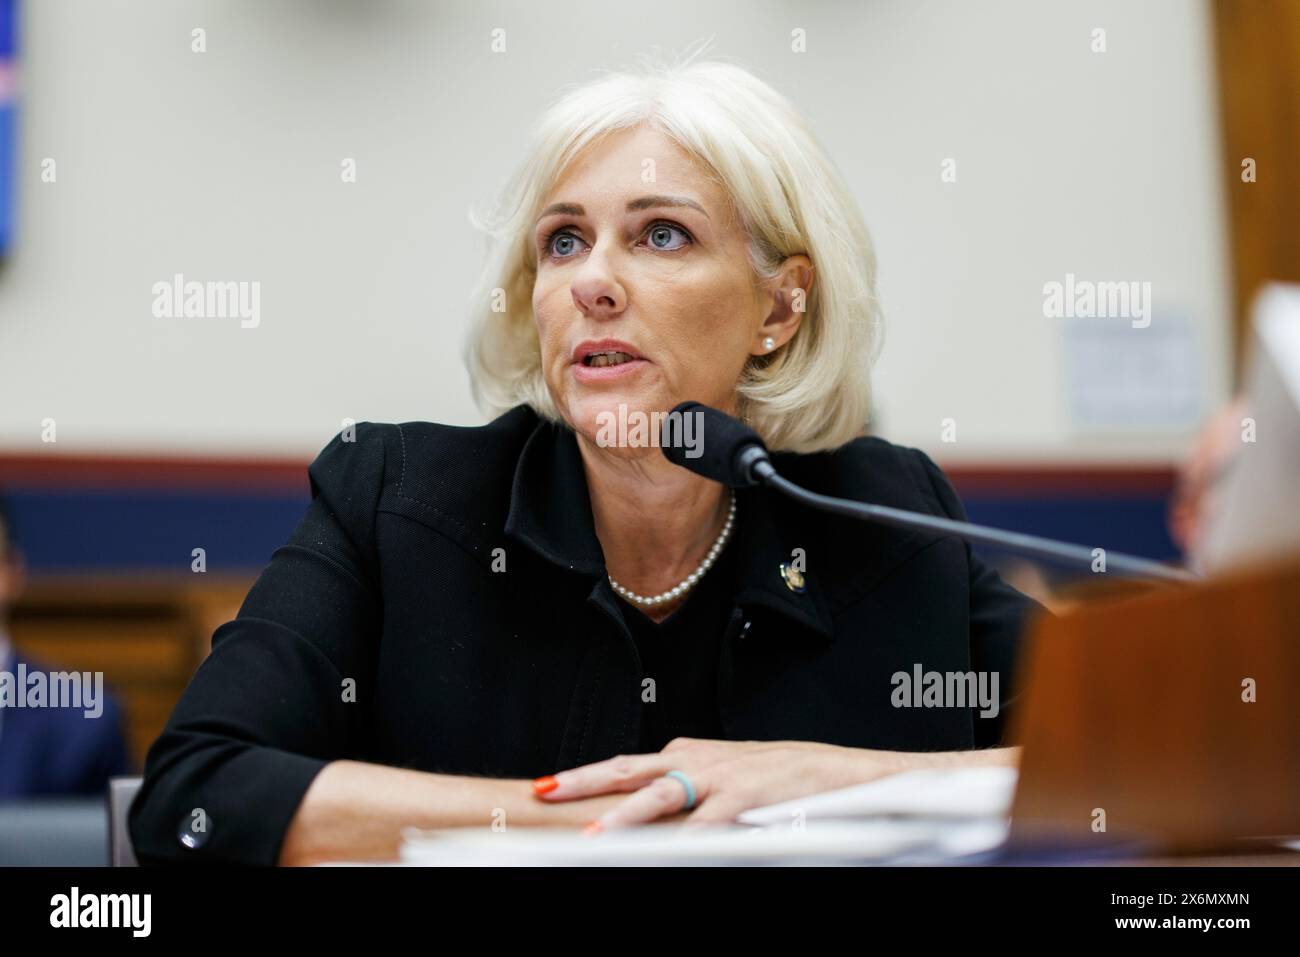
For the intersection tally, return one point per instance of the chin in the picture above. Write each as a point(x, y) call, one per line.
point(620, 421)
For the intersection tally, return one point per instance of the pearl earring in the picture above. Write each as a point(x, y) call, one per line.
point(769, 343)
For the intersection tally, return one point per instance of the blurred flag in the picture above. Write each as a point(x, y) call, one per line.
point(8, 117)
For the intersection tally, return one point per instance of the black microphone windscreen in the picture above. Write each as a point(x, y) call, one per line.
point(708, 442)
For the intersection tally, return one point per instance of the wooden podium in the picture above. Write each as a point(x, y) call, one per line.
point(1171, 719)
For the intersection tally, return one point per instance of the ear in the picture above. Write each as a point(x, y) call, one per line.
point(789, 291)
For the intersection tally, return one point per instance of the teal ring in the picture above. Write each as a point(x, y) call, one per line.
point(685, 782)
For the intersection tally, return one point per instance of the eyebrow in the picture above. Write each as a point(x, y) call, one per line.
point(644, 202)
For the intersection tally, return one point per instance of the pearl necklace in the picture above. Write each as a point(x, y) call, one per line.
point(689, 582)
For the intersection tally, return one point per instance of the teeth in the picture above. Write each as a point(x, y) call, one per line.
point(600, 359)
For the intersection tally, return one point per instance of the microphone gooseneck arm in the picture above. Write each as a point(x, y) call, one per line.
point(755, 462)
point(735, 455)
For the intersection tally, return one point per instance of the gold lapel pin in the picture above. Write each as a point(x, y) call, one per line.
point(793, 578)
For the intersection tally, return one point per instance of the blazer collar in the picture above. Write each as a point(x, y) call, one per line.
point(550, 513)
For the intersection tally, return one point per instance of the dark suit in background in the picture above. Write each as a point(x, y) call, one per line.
point(59, 752)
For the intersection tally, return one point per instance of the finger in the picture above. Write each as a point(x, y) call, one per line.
point(657, 799)
point(624, 772)
point(719, 809)
point(714, 746)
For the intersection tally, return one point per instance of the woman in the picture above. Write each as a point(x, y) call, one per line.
point(544, 597)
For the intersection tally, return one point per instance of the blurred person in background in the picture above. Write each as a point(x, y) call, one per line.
point(1195, 496)
point(48, 751)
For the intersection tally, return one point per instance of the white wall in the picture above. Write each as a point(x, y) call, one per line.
point(225, 165)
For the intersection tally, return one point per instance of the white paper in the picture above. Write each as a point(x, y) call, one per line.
point(946, 793)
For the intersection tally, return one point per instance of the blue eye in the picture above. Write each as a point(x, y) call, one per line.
point(552, 241)
point(664, 231)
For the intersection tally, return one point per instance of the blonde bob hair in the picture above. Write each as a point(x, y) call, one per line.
point(811, 395)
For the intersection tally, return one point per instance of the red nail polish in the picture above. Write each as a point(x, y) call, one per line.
point(545, 785)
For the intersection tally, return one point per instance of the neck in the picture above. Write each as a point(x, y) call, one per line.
point(655, 520)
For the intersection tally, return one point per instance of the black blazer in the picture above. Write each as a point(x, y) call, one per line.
point(393, 585)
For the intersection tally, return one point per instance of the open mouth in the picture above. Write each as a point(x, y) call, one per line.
point(598, 360)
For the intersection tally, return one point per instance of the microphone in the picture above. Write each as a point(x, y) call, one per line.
point(730, 452)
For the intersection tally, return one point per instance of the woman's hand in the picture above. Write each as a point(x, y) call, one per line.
point(729, 777)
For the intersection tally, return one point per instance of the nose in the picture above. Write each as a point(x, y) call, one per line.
point(595, 290)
